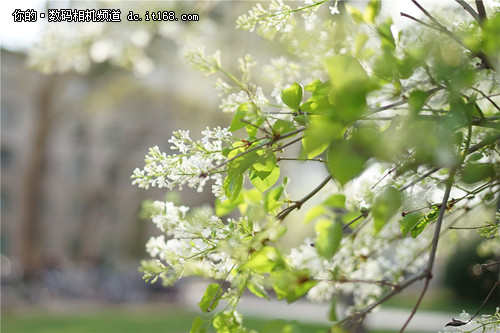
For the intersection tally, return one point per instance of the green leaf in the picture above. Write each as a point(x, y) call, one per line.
point(272, 199)
point(475, 172)
point(264, 184)
point(350, 216)
point(332, 315)
point(250, 114)
point(313, 147)
point(371, 11)
point(385, 33)
point(227, 206)
point(424, 221)
point(263, 165)
point(350, 84)
point(210, 298)
point(292, 96)
point(291, 285)
point(344, 162)
point(359, 43)
point(329, 237)
point(232, 184)
point(416, 101)
point(356, 15)
point(227, 322)
point(335, 201)
point(314, 213)
point(265, 261)
point(409, 221)
point(385, 65)
point(257, 289)
point(246, 111)
point(281, 126)
point(196, 326)
point(385, 206)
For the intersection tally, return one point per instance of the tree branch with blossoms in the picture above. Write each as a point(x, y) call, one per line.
point(417, 115)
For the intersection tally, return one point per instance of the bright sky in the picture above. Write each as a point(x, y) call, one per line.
point(18, 35)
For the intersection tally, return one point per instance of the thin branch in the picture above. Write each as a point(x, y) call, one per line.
point(469, 9)
point(489, 140)
point(389, 295)
point(484, 266)
point(435, 240)
point(300, 159)
point(284, 136)
point(485, 300)
point(281, 215)
point(487, 97)
point(363, 214)
point(389, 106)
point(419, 179)
point(345, 280)
point(452, 35)
point(465, 228)
point(419, 21)
point(481, 11)
point(257, 127)
point(287, 144)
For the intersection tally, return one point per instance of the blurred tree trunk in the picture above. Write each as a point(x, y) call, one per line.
point(31, 218)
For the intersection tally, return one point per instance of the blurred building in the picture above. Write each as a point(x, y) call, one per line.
point(69, 144)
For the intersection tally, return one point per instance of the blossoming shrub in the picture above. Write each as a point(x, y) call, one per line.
point(415, 112)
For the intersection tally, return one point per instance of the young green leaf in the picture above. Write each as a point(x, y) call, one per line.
point(196, 326)
point(329, 237)
point(314, 213)
point(371, 11)
point(416, 101)
point(292, 96)
point(210, 298)
point(264, 184)
point(281, 127)
point(344, 162)
point(291, 285)
point(257, 289)
point(385, 207)
point(332, 315)
point(232, 184)
point(265, 261)
point(408, 222)
point(335, 201)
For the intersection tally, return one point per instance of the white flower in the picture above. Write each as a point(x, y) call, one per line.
point(333, 9)
point(201, 62)
point(464, 316)
point(195, 165)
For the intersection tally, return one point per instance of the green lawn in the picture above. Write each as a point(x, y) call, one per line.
point(144, 319)
point(111, 320)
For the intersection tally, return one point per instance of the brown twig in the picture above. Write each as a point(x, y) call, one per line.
point(281, 215)
point(435, 240)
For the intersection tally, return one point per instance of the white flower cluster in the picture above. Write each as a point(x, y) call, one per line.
point(364, 265)
point(195, 164)
point(193, 245)
point(230, 103)
point(200, 244)
point(272, 20)
point(201, 62)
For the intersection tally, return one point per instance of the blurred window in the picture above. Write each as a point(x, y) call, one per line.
point(6, 157)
